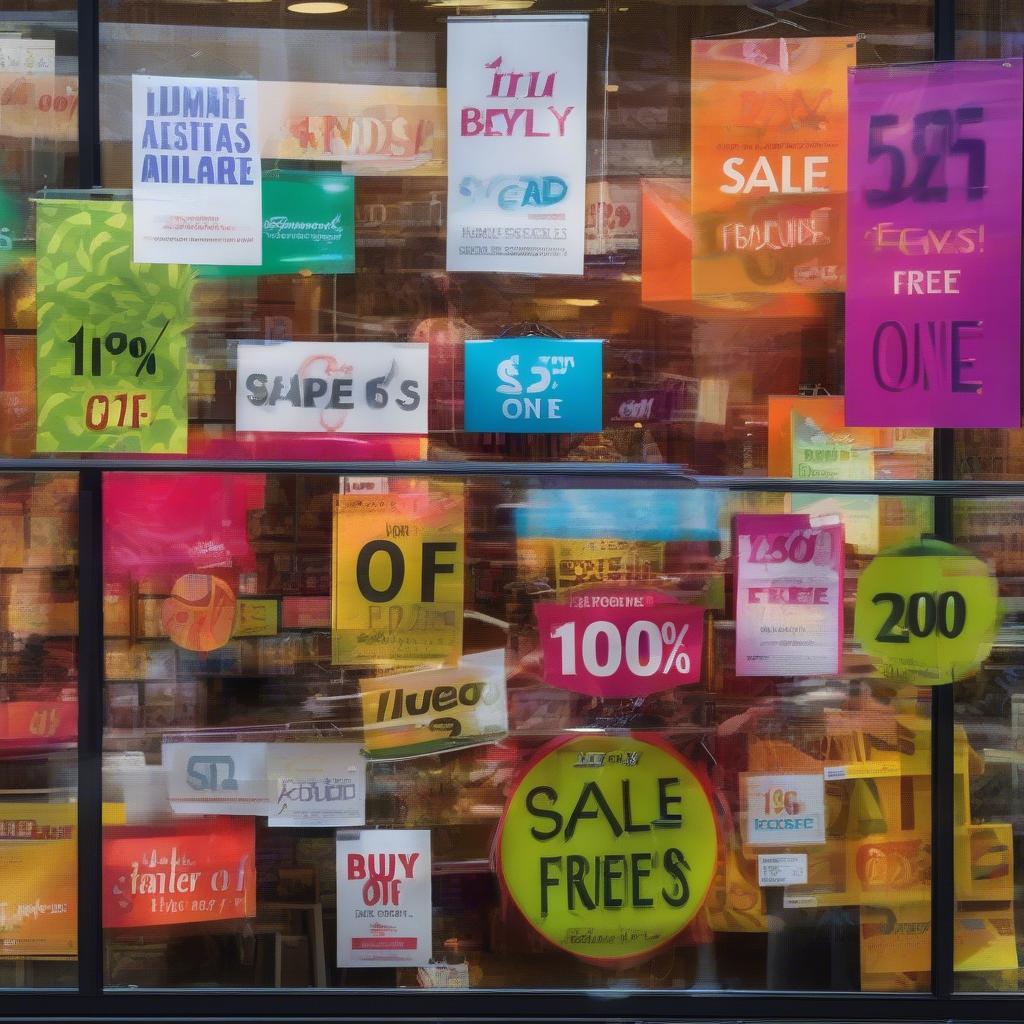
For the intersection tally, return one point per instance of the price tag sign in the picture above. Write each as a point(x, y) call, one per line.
point(111, 346)
point(608, 846)
point(332, 387)
point(397, 595)
point(927, 612)
point(789, 578)
point(616, 645)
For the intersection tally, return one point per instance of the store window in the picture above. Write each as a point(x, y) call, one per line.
point(503, 497)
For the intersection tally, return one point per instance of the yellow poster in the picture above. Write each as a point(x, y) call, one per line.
point(397, 594)
point(768, 130)
point(38, 880)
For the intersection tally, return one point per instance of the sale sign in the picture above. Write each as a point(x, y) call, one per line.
point(768, 152)
point(384, 898)
point(785, 810)
point(196, 170)
point(517, 143)
point(397, 584)
point(38, 880)
point(203, 870)
point(928, 612)
point(533, 385)
point(620, 643)
point(376, 387)
point(608, 845)
point(789, 595)
point(933, 306)
point(111, 337)
point(424, 712)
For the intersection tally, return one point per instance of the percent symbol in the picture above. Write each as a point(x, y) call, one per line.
point(116, 343)
point(676, 658)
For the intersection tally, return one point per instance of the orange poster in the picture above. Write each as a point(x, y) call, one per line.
point(38, 880)
point(768, 131)
point(200, 870)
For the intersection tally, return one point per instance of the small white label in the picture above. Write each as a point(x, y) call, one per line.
point(834, 772)
point(799, 902)
point(781, 869)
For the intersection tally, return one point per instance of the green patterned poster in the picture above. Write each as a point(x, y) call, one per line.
point(111, 349)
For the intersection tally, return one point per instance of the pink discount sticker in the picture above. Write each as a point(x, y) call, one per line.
point(617, 647)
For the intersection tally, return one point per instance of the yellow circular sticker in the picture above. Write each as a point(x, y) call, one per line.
point(608, 845)
point(927, 612)
point(200, 613)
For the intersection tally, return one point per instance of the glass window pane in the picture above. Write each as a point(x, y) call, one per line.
point(406, 733)
point(688, 382)
point(38, 730)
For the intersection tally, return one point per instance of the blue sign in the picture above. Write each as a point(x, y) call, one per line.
point(625, 514)
point(533, 386)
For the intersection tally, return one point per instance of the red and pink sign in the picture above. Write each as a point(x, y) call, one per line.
point(615, 643)
point(789, 595)
point(933, 300)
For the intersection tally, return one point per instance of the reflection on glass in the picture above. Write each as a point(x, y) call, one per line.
point(311, 680)
point(38, 731)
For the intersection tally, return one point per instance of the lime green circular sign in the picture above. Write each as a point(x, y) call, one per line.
point(927, 612)
point(608, 845)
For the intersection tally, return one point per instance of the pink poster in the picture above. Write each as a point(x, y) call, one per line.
point(933, 300)
point(620, 643)
point(789, 595)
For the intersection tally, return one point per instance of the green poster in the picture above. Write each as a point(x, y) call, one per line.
point(308, 225)
point(111, 350)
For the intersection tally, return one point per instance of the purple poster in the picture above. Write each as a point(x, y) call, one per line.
point(933, 299)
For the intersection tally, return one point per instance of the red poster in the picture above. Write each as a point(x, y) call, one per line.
point(619, 643)
point(201, 870)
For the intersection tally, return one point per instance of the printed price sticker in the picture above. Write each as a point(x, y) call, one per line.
point(774, 869)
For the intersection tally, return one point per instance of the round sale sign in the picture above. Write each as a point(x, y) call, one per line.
point(927, 612)
point(608, 845)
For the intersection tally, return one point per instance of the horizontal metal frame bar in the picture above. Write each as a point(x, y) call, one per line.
point(643, 473)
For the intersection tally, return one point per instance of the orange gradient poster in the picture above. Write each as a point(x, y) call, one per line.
point(38, 880)
point(768, 131)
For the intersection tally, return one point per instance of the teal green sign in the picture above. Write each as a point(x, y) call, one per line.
point(308, 225)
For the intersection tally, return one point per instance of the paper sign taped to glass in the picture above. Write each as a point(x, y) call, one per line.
point(217, 778)
point(397, 586)
point(384, 898)
point(789, 595)
point(316, 785)
point(196, 170)
point(425, 712)
point(768, 152)
point(517, 143)
point(376, 387)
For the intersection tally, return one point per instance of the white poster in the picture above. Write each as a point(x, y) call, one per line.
point(316, 785)
point(373, 387)
point(216, 778)
point(384, 902)
point(785, 810)
point(517, 143)
point(196, 179)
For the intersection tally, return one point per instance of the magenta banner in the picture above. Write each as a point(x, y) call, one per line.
point(933, 299)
